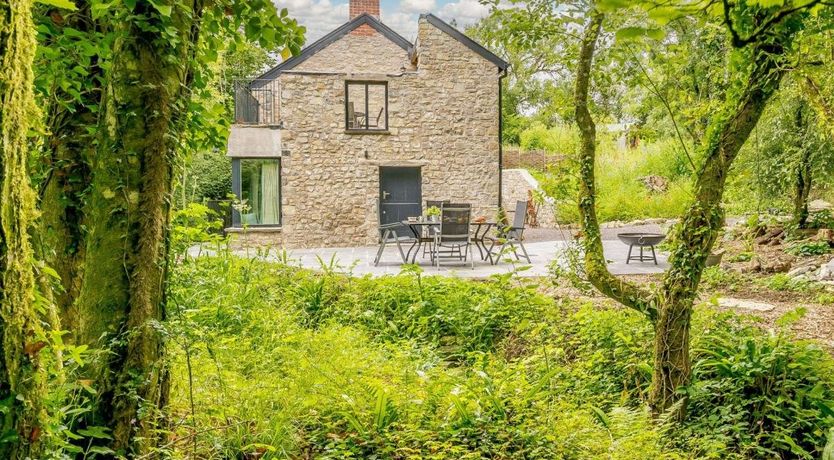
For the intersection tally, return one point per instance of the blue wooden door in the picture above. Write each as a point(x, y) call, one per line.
point(400, 194)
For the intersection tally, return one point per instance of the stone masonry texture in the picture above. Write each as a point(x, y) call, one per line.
point(443, 118)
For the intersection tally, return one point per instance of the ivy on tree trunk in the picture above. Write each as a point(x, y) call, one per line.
point(670, 306)
point(127, 215)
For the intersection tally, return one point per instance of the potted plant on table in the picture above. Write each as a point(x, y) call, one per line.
point(433, 213)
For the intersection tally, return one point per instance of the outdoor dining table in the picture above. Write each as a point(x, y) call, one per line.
point(417, 227)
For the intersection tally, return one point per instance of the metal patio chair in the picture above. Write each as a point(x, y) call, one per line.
point(375, 124)
point(388, 235)
point(510, 237)
point(453, 234)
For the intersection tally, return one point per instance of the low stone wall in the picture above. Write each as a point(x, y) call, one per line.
point(517, 186)
point(255, 238)
point(515, 158)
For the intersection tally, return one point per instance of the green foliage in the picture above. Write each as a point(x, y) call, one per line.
point(809, 248)
point(821, 219)
point(620, 193)
point(788, 135)
point(559, 139)
point(717, 278)
point(289, 362)
point(195, 224)
point(758, 396)
point(208, 177)
point(783, 282)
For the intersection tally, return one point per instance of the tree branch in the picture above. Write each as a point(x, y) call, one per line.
point(740, 42)
point(596, 267)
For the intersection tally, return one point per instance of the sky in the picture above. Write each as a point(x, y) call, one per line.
point(322, 16)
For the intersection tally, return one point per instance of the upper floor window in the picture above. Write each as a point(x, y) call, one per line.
point(366, 106)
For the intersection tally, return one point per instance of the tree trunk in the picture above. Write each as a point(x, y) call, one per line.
point(68, 152)
point(128, 215)
point(670, 308)
point(823, 106)
point(595, 263)
point(700, 226)
point(23, 377)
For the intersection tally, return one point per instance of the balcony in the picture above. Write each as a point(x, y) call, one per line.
point(256, 102)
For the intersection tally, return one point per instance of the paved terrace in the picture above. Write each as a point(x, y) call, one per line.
point(543, 245)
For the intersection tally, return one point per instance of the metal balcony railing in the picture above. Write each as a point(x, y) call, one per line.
point(256, 102)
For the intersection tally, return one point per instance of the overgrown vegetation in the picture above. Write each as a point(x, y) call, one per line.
point(623, 194)
point(285, 362)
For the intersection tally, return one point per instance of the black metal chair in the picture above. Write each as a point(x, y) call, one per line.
point(453, 234)
point(510, 237)
point(389, 235)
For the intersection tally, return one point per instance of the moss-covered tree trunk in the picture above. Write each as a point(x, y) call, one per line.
point(700, 226)
point(670, 308)
point(68, 151)
point(824, 105)
point(121, 300)
point(595, 263)
point(22, 376)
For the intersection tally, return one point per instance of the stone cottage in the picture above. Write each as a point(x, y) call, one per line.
point(361, 128)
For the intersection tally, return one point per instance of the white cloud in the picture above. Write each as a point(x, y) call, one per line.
point(464, 12)
point(404, 24)
point(318, 16)
point(417, 6)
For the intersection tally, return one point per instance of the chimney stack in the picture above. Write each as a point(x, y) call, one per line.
point(358, 7)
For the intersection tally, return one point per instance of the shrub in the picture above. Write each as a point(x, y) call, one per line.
point(716, 277)
point(559, 139)
point(821, 219)
point(758, 395)
point(209, 177)
point(783, 282)
point(290, 363)
point(809, 248)
point(620, 193)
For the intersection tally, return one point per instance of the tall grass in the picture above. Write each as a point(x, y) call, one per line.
point(620, 193)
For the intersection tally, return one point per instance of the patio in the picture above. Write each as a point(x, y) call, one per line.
point(543, 245)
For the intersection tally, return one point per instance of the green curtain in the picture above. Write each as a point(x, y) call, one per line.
point(270, 197)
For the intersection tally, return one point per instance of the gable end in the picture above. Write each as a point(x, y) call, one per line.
point(466, 41)
point(327, 40)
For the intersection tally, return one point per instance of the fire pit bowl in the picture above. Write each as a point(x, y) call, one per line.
point(641, 240)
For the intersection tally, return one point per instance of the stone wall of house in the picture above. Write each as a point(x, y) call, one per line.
point(443, 118)
point(518, 185)
point(358, 54)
